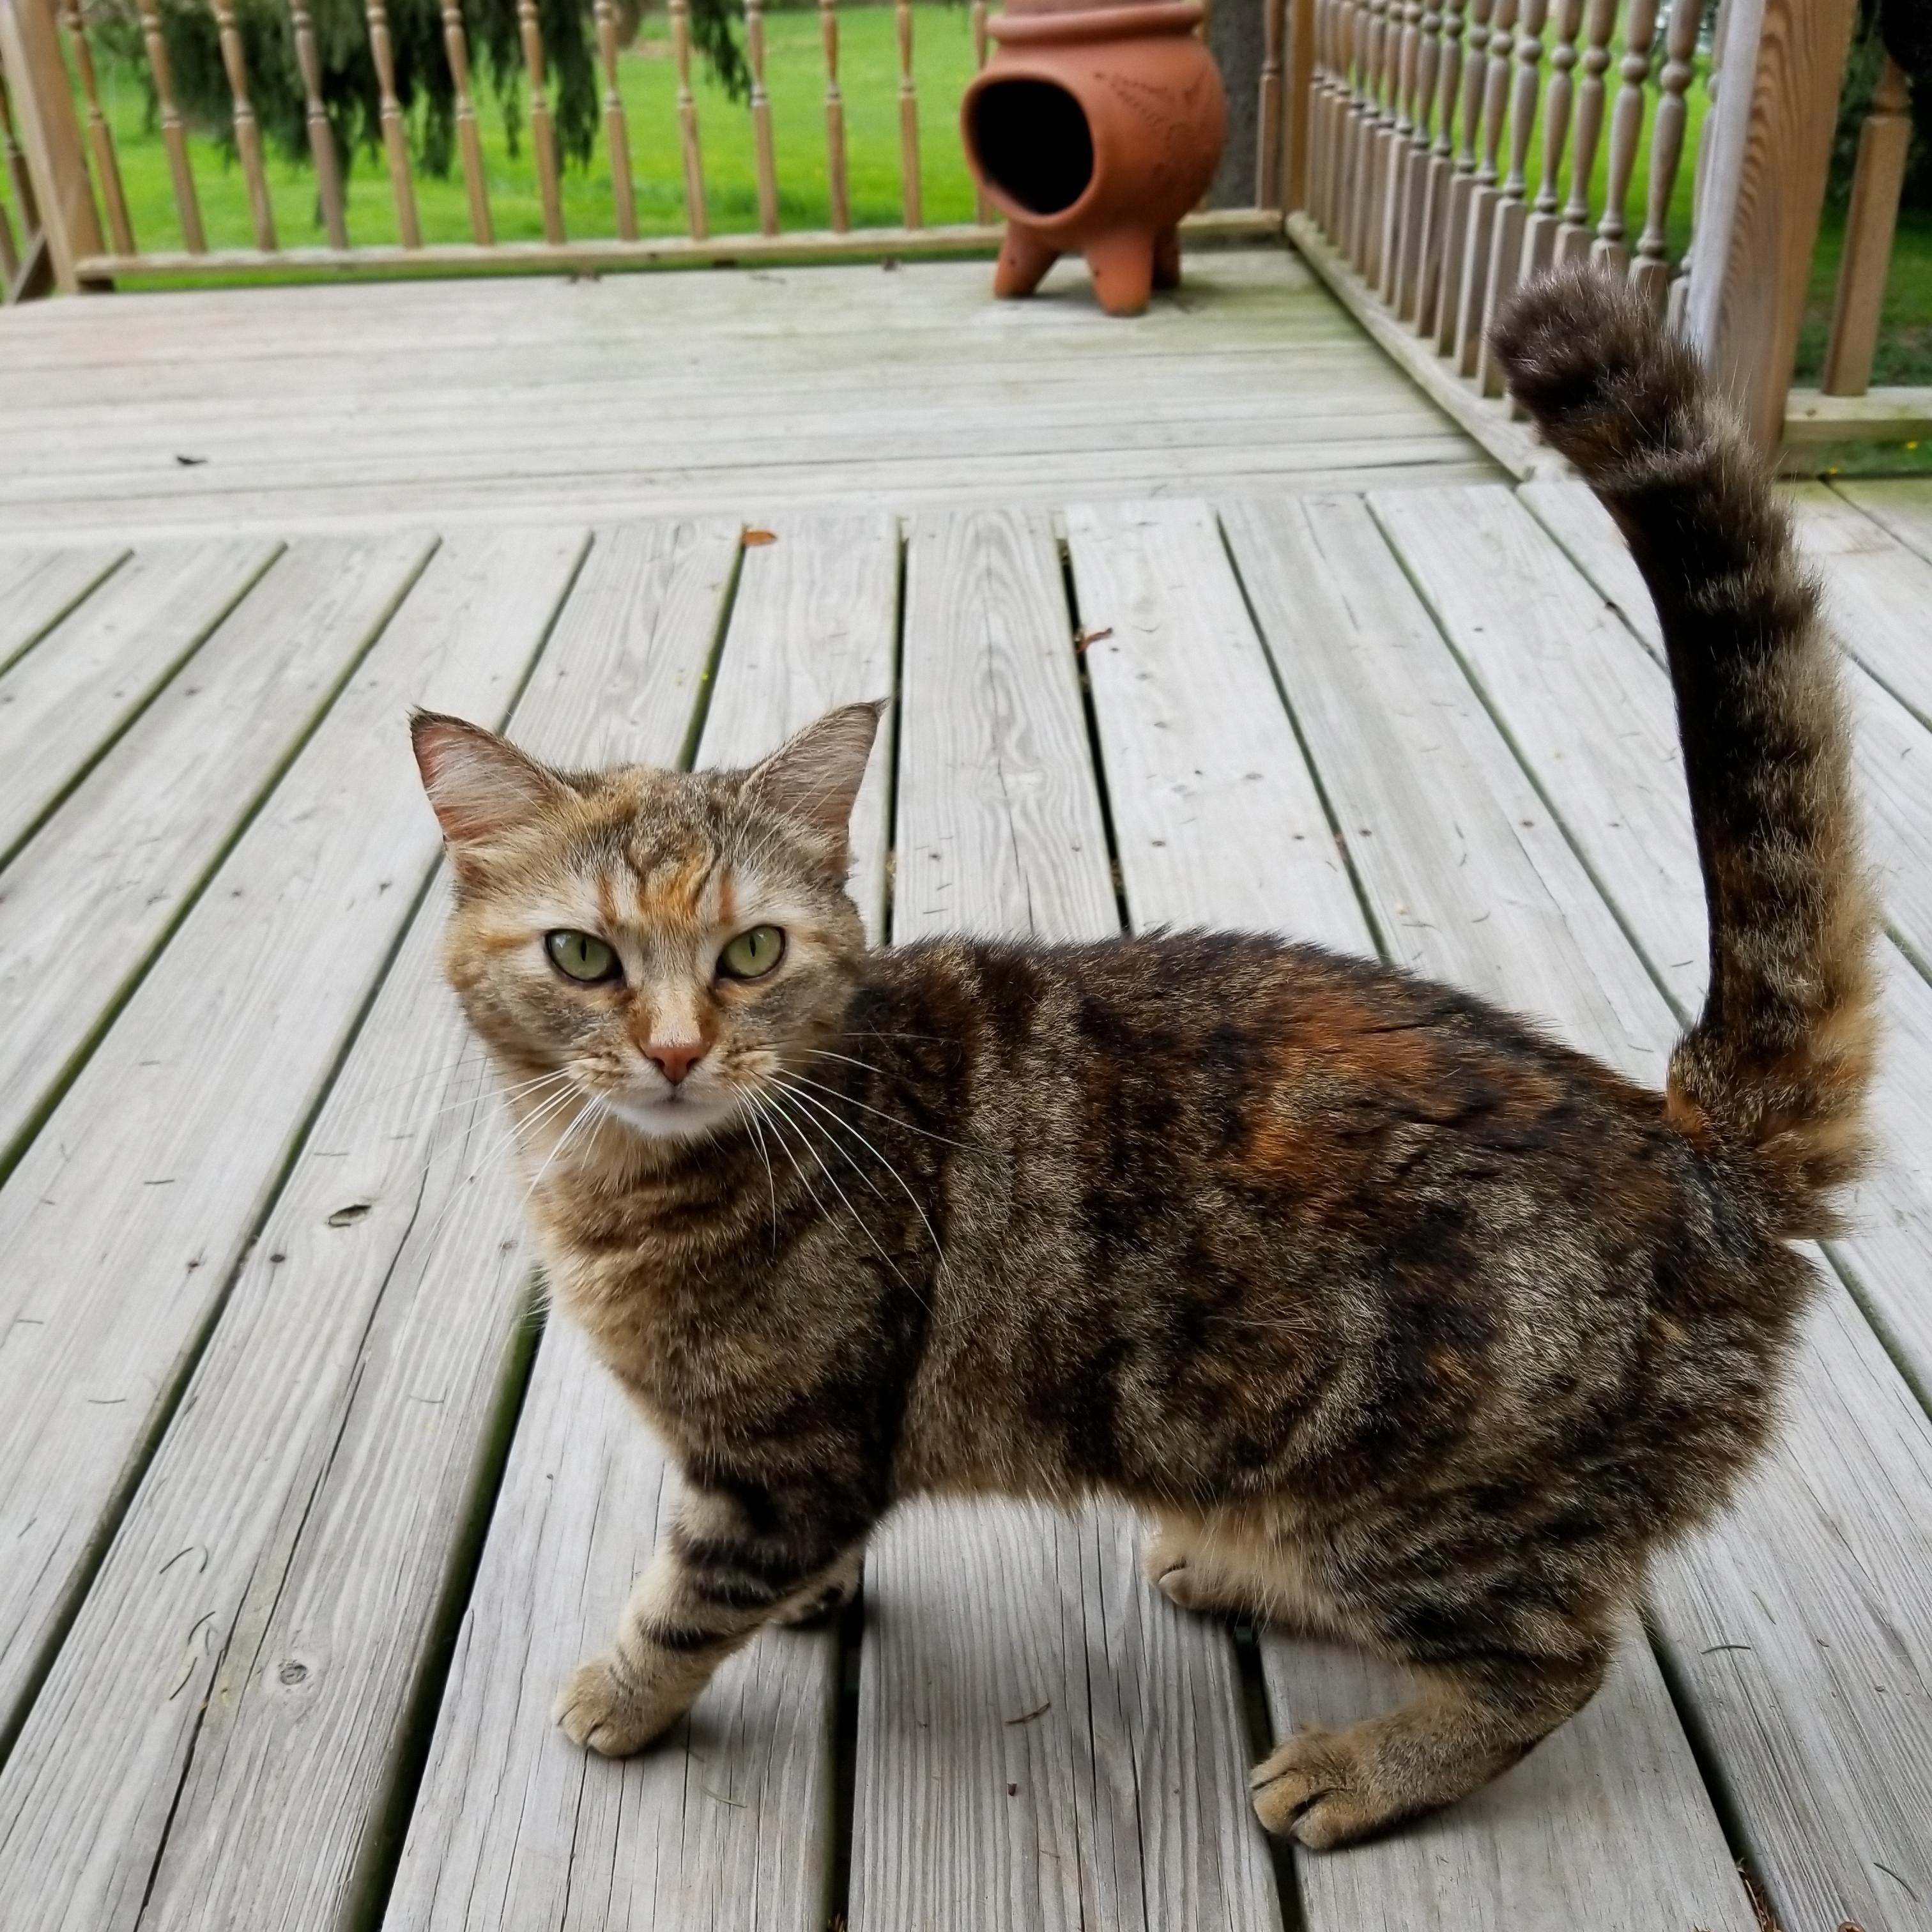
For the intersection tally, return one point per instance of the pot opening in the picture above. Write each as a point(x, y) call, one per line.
point(1033, 143)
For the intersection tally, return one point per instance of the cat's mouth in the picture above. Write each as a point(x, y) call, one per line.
point(675, 1114)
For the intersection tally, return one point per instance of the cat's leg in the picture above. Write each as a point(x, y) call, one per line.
point(1176, 1560)
point(1247, 1571)
point(827, 1595)
point(1472, 1721)
point(733, 1559)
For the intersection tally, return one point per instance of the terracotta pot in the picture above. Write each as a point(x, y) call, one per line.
point(1095, 129)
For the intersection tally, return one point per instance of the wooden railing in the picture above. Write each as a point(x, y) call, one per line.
point(89, 240)
point(1448, 148)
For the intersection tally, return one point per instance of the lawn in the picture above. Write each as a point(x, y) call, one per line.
point(869, 72)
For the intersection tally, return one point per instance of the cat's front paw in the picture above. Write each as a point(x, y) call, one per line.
point(603, 1709)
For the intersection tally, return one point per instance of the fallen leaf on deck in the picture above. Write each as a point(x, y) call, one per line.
point(1082, 639)
point(752, 539)
point(1028, 1717)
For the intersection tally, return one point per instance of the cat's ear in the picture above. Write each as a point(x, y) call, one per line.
point(480, 786)
point(815, 776)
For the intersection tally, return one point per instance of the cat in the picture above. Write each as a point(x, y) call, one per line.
point(1403, 1324)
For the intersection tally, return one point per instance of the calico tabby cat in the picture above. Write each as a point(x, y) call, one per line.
point(1401, 1322)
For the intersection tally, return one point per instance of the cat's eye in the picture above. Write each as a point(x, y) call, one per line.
point(753, 954)
point(581, 955)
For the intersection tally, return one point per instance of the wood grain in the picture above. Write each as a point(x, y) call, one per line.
point(60, 709)
point(125, 1219)
point(726, 1822)
point(1042, 1742)
point(1830, 1718)
point(1903, 505)
point(1467, 878)
point(109, 876)
point(39, 587)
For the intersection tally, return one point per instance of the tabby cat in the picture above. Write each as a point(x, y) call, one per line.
point(1401, 1323)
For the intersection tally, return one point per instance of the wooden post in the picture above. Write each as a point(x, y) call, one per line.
point(321, 136)
point(1771, 152)
point(616, 136)
point(1573, 237)
point(247, 133)
point(469, 139)
point(1871, 223)
point(543, 140)
point(174, 137)
point(49, 133)
point(99, 135)
point(915, 214)
point(696, 218)
point(1608, 250)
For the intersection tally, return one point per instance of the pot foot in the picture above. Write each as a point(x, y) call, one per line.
point(1024, 259)
point(1122, 266)
point(1167, 259)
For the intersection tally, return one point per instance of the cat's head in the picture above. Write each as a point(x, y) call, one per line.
point(667, 941)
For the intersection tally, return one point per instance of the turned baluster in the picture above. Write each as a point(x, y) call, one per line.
point(174, 137)
point(1573, 235)
point(469, 138)
point(1415, 182)
point(247, 135)
point(1680, 283)
point(1626, 128)
point(1539, 234)
point(1651, 270)
point(1512, 212)
point(99, 135)
point(616, 136)
point(761, 119)
point(836, 189)
point(983, 209)
point(1485, 195)
point(395, 136)
point(1401, 146)
point(1441, 171)
point(1462, 182)
point(1373, 139)
point(1362, 115)
point(321, 136)
point(543, 140)
point(17, 172)
point(915, 216)
point(1267, 134)
point(695, 216)
point(1330, 105)
point(1871, 224)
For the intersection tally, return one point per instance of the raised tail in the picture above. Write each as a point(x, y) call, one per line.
point(1779, 1061)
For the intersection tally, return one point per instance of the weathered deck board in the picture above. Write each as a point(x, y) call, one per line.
point(1903, 505)
point(670, 395)
point(1042, 1742)
point(39, 587)
point(124, 1219)
point(62, 705)
point(115, 869)
point(1467, 879)
point(360, 1352)
point(1824, 1593)
point(726, 1823)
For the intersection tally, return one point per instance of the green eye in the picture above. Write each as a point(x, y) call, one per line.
point(752, 955)
point(581, 955)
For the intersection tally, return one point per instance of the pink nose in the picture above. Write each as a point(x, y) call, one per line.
point(675, 1058)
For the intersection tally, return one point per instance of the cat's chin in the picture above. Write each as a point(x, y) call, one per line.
point(669, 1119)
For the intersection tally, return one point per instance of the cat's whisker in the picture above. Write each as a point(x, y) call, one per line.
point(918, 1208)
point(549, 1106)
point(597, 1108)
point(877, 1246)
point(925, 1133)
point(758, 1129)
point(784, 1142)
point(482, 1094)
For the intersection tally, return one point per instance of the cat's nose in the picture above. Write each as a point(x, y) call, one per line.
point(674, 1058)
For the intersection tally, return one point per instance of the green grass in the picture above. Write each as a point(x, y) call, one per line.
point(868, 77)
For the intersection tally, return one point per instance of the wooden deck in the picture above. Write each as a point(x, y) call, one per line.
point(306, 1509)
